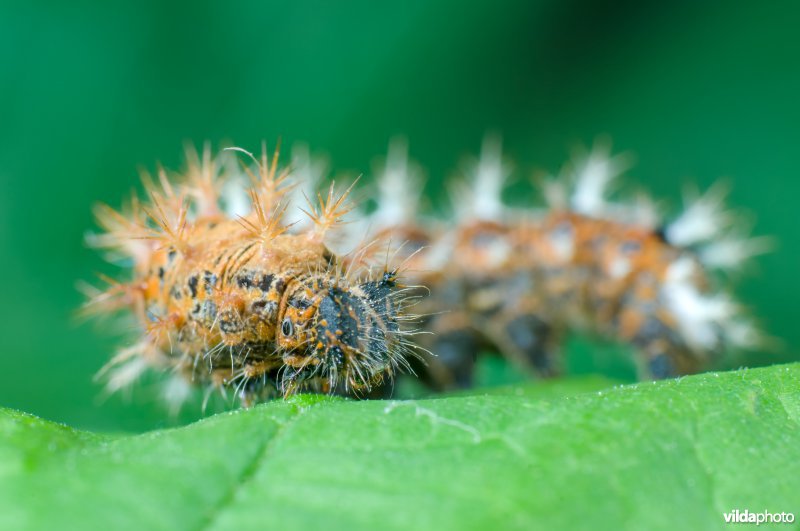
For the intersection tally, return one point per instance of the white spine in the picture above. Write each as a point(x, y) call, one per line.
point(704, 218)
point(307, 173)
point(481, 196)
point(731, 251)
point(400, 187)
point(595, 174)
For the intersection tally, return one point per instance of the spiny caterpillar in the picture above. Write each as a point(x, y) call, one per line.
point(250, 292)
point(229, 293)
point(516, 281)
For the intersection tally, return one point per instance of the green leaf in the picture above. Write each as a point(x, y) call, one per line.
point(674, 454)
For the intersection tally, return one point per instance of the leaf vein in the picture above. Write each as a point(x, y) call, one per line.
point(249, 471)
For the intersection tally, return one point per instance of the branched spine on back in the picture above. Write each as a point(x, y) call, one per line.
point(248, 301)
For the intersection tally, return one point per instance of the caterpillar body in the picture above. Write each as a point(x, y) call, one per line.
point(517, 281)
point(248, 291)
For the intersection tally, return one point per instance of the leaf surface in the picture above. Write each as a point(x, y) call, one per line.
point(673, 454)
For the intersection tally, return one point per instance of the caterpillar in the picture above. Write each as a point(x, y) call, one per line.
point(229, 294)
point(255, 290)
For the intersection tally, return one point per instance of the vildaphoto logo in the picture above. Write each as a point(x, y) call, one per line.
point(764, 517)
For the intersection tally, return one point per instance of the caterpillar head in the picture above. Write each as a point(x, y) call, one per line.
point(339, 335)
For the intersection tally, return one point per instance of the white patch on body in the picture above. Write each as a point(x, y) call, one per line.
point(702, 318)
point(440, 254)
point(563, 244)
point(620, 267)
point(498, 252)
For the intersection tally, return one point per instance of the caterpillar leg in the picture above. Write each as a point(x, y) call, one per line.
point(527, 341)
point(250, 383)
point(455, 346)
point(662, 354)
point(657, 361)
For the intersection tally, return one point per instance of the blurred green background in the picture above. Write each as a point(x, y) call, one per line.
point(92, 91)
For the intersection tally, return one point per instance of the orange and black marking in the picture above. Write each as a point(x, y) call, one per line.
point(517, 281)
